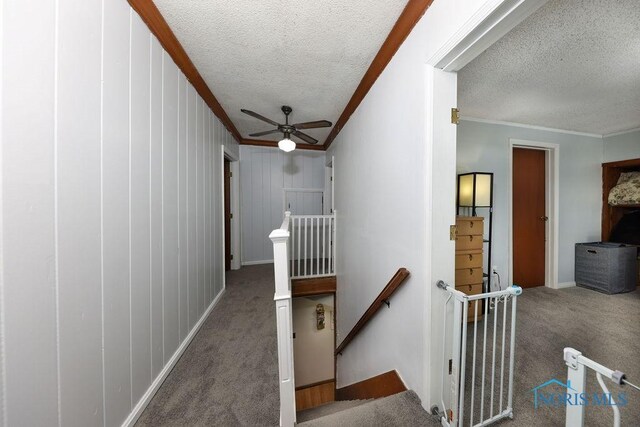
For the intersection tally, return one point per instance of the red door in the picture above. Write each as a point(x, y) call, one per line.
point(529, 217)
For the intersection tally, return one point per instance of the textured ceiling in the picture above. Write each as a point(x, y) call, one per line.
point(260, 55)
point(573, 64)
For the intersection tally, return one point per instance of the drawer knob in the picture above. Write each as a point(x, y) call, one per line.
point(470, 224)
point(470, 257)
point(471, 272)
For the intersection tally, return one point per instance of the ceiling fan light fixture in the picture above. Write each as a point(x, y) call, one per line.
point(288, 129)
point(286, 145)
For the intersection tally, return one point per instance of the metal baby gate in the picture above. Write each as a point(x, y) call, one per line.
point(577, 366)
point(483, 356)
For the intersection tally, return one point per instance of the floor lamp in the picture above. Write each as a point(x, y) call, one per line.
point(475, 191)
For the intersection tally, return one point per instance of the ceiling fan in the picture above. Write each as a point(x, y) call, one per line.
point(287, 129)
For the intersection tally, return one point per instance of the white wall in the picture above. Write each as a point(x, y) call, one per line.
point(312, 347)
point(264, 173)
point(622, 147)
point(484, 147)
point(383, 181)
point(111, 223)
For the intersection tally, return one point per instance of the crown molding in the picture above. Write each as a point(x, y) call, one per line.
point(624, 132)
point(159, 27)
point(273, 144)
point(409, 17)
point(526, 126)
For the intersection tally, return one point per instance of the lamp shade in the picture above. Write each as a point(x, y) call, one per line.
point(287, 145)
point(475, 190)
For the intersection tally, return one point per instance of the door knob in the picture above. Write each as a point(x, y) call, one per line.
point(544, 218)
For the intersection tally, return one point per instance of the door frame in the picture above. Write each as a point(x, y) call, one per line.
point(552, 201)
point(228, 215)
point(235, 205)
point(487, 25)
point(329, 186)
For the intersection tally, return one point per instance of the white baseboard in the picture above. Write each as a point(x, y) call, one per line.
point(155, 385)
point(565, 285)
point(264, 261)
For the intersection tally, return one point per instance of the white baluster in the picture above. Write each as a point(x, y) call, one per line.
point(324, 244)
point(299, 240)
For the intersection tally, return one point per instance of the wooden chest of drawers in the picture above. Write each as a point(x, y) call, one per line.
point(469, 245)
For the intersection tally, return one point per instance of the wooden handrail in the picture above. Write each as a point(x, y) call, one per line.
point(383, 298)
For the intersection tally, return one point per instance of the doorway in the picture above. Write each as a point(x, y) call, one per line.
point(529, 216)
point(227, 214)
point(534, 202)
point(313, 346)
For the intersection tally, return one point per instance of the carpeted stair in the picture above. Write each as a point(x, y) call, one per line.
point(328, 409)
point(402, 409)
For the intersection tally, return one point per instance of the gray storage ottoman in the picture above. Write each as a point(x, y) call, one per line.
point(606, 267)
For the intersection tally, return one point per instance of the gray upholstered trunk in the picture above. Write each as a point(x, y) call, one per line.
point(606, 267)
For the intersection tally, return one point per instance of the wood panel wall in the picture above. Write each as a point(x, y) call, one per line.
point(111, 211)
point(264, 173)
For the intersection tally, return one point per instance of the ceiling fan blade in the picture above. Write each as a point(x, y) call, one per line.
point(305, 137)
point(259, 117)
point(266, 132)
point(313, 125)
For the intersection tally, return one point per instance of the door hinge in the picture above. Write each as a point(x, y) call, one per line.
point(231, 258)
point(230, 216)
point(331, 178)
point(453, 232)
point(230, 174)
point(455, 116)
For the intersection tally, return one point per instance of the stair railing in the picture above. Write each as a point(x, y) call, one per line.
point(382, 299)
point(284, 322)
point(313, 245)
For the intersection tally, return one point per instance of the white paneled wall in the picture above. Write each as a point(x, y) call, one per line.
point(111, 241)
point(264, 174)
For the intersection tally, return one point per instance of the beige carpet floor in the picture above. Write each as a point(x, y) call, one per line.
point(400, 410)
point(228, 376)
point(605, 328)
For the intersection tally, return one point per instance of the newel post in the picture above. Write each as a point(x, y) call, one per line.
point(284, 324)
